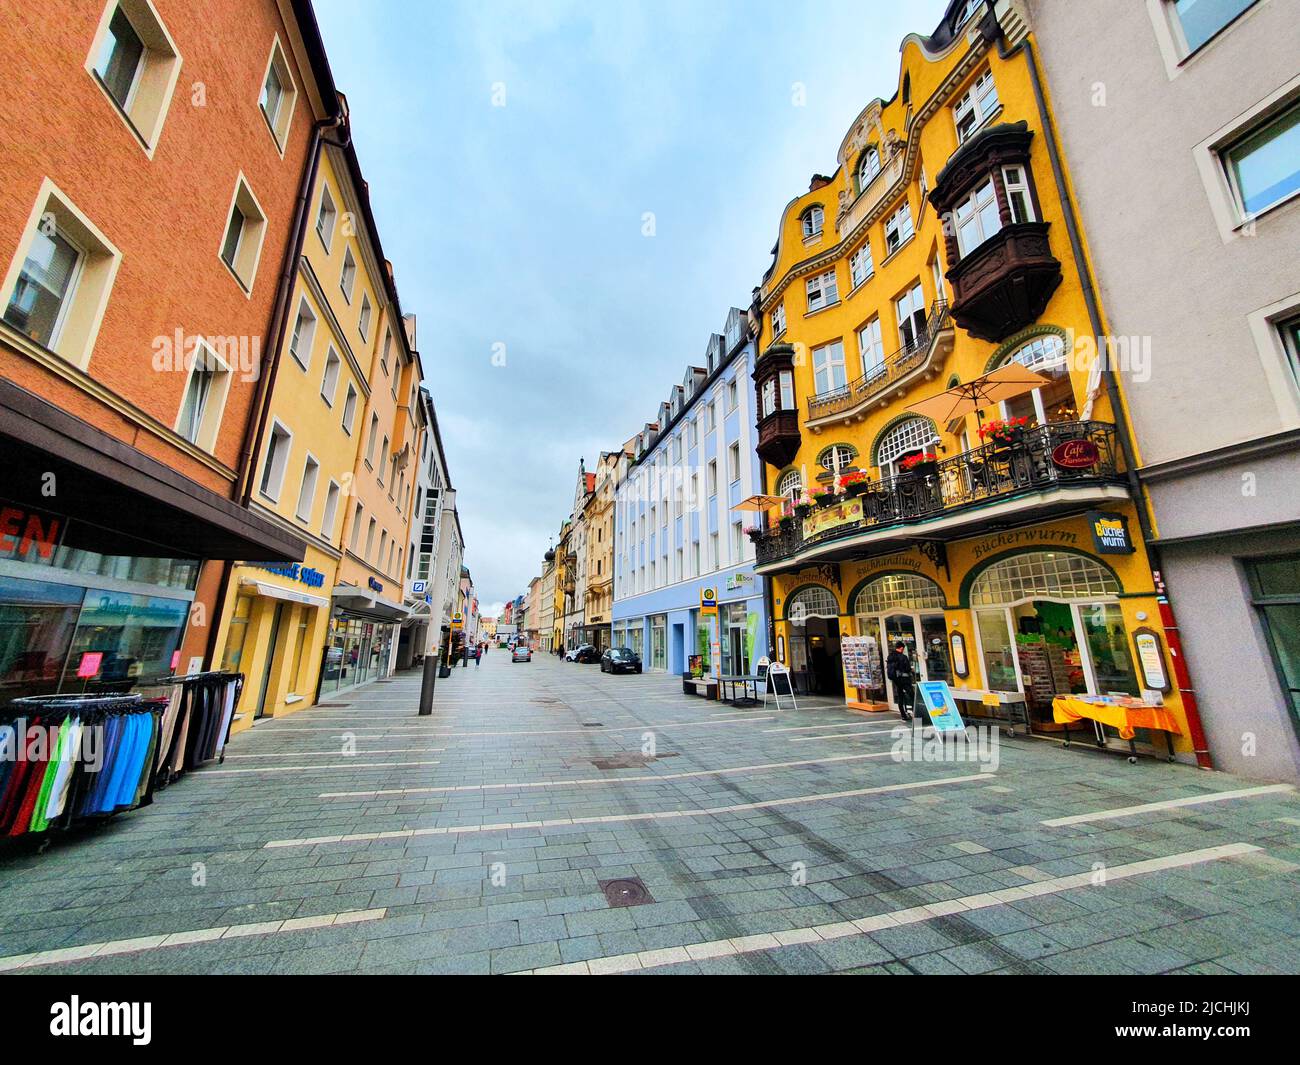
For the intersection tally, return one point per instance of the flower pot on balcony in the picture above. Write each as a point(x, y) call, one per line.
point(825, 499)
point(802, 510)
point(787, 524)
point(755, 535)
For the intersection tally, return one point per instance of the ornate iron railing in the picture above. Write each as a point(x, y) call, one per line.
point(976, 477)
point(879, 378)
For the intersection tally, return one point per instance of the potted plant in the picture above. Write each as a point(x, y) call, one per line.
point(754, 532)
point(823, 496)
point(787, 517)
point(922, 464)
point(803, 505)
point(1003, 434)
point(856, 483)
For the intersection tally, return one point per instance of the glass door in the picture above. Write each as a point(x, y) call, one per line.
point(276, 618)
point(997, 650)
point(658, 651)
point(901, 628)
point(934, 641)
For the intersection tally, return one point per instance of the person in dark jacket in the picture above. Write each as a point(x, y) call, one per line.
point(898, 668)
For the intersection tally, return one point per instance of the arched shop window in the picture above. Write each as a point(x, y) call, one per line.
point(1049, 624)
point(1053, 402)
point(812, 602)
point(1046, 574)
point(790, 485)
point(905, 438)
point(899, 591)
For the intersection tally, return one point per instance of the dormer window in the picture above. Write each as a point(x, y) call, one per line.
point(968, 11)
point(813, 220)
point(868, 167)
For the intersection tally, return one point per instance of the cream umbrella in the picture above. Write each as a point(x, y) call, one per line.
point(1006, 382)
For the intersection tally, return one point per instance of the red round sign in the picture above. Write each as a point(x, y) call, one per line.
point(1076, 454)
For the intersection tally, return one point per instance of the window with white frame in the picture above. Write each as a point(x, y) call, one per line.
point(135, 62)
point(1016, 183)
point(837, 458)
point(829, 374)
point(898, 228)
point(737, 542)
point(975, 106)
point(690, 433)
point(277, 459)
point(374, 439)
point(326, 215)
point(63, 271)
point(733, 395)
point(868, 167)
point(1263, 166)
point(1053, 402)
point(906, 438)
point(348, 275)
point(383, 454)
point(733, 463)
point(349, 409)
point(363, 321)
point(812, 221)
point(205, 396)
point(330, 381)
point(968, 11)
point(1199, 20)
point(241, 244)
point(304, 332)
point(871, 348)
point(778, 319)
point(711, 480)
point(331, 510)
point(787, 390)
point(910, 308)
point(860, 265)
point(278, 95)
point(790, 485)
point(710, 422)
point(977, 218)
point(307, 491)
point(823, 291)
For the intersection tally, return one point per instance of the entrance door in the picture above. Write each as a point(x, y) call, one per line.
point(935, 664)
point(276, 618)
point(901, 628)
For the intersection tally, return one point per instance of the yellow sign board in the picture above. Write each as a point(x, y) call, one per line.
point(708, 602)
point(824, 518)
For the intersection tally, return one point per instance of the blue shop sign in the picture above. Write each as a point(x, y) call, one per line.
point(375, 586)
point(295, 571)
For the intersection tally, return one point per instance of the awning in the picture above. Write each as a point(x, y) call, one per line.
point(288, 594)
point(120, 501)
point(368, 604)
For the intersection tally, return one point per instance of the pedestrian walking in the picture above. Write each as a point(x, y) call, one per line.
point(898, 668)
point(478, 655)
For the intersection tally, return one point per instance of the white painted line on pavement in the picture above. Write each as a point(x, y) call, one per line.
point(840, 735)
point(810, 728)
point(662, 815)
point(1168, 804)
point(310, 768)
point(180, 939)
point(338, 752)
point(646, 778)
point(719, 948)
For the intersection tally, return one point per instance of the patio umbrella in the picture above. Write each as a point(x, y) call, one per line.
point(759, 503)
point(1006, 382)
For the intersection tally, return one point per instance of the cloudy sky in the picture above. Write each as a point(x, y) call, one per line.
point(514, 152)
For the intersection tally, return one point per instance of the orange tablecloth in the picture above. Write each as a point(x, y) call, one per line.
point(1066, 709)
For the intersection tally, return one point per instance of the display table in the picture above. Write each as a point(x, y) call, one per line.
point(1123, 713)
point(1002, 708)
point(743, 682)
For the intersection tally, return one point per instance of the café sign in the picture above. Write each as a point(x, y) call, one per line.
point(845, 513)
point(1076, 454)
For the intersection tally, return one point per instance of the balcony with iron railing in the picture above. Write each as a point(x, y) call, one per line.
point(930, 343)
point(952, 496)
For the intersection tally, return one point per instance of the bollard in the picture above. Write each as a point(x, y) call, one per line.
point(426, 685)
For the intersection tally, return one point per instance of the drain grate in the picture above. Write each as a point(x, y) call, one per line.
point(593, 724)
point(331, 705)
point(627, 892)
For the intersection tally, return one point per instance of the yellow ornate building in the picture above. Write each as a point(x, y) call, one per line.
point(998, 541)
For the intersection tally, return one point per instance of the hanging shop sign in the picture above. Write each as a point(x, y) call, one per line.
point(1151, 659)
point(419, 587)
point(708, 602)
point(295, 571)
point(375, 585)
point(826, 518)
point(1076, 455)
point(1110, 533)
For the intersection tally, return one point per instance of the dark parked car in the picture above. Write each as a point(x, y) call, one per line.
point(584, 652)
point(620, 660)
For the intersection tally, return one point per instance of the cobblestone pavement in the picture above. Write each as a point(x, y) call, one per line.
point(478, 840)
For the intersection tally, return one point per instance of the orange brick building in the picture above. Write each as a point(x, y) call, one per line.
point(156, 157)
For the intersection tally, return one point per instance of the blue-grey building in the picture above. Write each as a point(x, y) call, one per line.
point(674, 527)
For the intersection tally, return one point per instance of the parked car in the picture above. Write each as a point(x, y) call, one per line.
point(620, 660)
point(521, 653)
point(584, 652)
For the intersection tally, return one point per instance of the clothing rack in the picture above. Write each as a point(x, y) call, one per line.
point(68, 759)
point(196, 723)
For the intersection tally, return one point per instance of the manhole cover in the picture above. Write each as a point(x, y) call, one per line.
point(629, 892)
